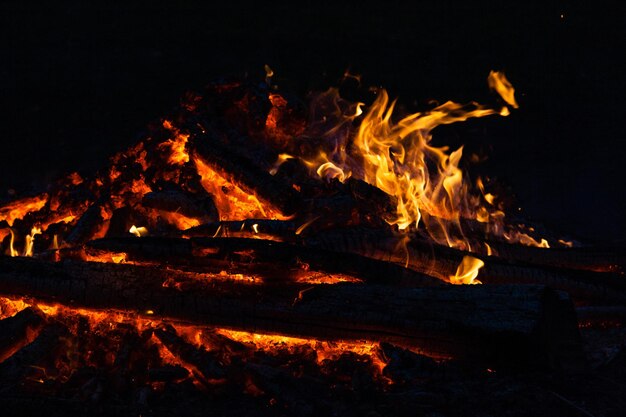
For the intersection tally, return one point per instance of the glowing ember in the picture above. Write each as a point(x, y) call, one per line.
point(20, 208)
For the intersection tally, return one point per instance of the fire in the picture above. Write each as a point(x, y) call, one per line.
point(176, 146)
point(324, 350)
point(30, 241)
point(138, 231)
point(232, 202)
point(399, 157)
point(20, 208)
point(498, 82)
point(467, 271)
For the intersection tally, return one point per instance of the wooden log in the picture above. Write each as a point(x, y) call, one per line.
point(203, 364)
point(14, 368)
point(168, 373)
point(287, 257)
point(88, 225)
point(442, 262)
point(19, 330)
point(250, 228)
point(591, 258)
point(494, 323)
point(176, 201)
point(247, 175)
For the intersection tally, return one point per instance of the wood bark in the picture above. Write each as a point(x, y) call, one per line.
point(493, 323)
point(19, 330)
point(441, 262)
point(248, 176)
point(259, 255)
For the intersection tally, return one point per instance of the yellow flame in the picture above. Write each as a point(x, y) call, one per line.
point(30, 241)
point(467, 271)
point(138, 231)
point(12, 251)
point(498, 82)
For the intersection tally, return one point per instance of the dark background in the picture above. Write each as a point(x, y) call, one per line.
point(81, 80)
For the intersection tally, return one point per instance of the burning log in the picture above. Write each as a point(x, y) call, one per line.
point(600, 259)
point(176, 201)
point(19, 330)
point(442, 262)
point(250, 228)
point(204, 364)
point(281, 257)
point(252, 179)
point(495, 323)
point(15, 367)
point(89, 224)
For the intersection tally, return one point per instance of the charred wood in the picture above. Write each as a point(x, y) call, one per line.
point(175, 201)
point(19, 330)
point(206, 251)
point(250, 228)
point(203, 363)
point(494, 323)
point(442, 262)
point(17, 366)
point(252, 179)
point(88, 225)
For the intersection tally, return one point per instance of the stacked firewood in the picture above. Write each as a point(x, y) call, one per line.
point(197, 225)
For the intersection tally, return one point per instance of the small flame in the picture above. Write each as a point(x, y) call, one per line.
point(498, 82)
point(12, 251)
point(467, 271)
point(138, 231)
point(30, 241)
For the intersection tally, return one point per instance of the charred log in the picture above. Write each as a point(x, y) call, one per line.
point(251, 178)
point(203, 363)
point(278, 255)
point(19, 330)
point(493, 323)
point(442, 262)
point(175, 201)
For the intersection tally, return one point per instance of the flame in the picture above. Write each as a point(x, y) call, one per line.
point(176, 146)
point(498, 82)
point(467, 271)
point(138, 231)
point(232, 202)
point(11, 250)
point(398, 157)
point(30, 241)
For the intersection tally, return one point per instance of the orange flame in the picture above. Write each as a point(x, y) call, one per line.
point(467, 271)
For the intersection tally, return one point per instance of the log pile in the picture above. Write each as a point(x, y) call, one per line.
point(255, 284)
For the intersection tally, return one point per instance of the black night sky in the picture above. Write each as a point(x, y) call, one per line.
point(81, 80)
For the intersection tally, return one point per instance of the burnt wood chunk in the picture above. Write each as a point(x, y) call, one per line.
point(503, 323)
point(257, 254)
point(441, 262)
point(204, 363)
point(248, 176)
point(19, 330)
point(88, 225)
point(177, 201)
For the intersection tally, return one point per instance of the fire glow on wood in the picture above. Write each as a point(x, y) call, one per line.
point(246, 226)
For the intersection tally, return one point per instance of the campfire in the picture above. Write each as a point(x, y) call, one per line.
point(257, 252)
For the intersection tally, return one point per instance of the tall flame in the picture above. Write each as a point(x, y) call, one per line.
point(399, 158)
